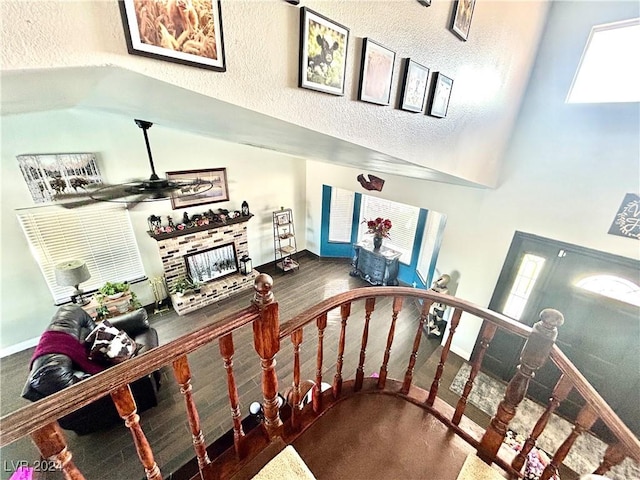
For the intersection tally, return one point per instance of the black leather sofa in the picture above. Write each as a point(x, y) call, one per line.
point(52, 372)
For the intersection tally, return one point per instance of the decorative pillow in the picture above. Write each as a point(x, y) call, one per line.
point(108, 344)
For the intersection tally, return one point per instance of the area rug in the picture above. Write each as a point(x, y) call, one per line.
point(586, 453)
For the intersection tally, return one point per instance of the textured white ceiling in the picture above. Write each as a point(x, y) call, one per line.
point(118, 91)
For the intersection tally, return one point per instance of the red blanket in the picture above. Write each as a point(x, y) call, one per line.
point(52, 341)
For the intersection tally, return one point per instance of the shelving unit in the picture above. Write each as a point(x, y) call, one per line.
point(284, 240)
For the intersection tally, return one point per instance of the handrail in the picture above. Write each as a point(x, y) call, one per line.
point(329, 304)
point(31, 417)
point(591, 396)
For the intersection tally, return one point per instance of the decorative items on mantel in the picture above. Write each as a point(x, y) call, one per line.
point(195, 223)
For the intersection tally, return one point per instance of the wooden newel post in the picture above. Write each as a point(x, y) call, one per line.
point(534, 353)
point(266, 340)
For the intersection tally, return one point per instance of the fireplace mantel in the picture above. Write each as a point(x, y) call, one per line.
point(200, 228)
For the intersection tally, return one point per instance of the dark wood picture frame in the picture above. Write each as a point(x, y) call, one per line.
point(218, 193)
point(323, 53)
point(414, 86)
point(462, 15)
point(174, 37)
point(442, 86)
point(376, 73)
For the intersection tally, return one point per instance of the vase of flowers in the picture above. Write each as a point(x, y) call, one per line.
point(379, 228)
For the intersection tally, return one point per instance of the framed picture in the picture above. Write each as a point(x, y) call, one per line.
point(376, 73)
point(414, 87)
point(323, 53)
point(181, 31)
point(219, 192)
point(282, 218)
point(48, 175)
point(627, 220)
point(462, 18)
point(440, 98)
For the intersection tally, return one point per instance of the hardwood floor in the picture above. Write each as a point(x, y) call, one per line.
point(110, 454)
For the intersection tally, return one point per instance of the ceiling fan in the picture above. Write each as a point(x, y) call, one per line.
point(137, 191)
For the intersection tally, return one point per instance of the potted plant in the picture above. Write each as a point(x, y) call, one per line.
point(185, 284)
point(114, 290)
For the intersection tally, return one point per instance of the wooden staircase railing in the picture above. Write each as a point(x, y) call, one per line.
point(39, 419)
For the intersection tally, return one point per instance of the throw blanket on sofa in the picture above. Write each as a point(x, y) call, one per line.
point(66, 344)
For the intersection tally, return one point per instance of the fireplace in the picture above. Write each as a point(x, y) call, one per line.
point(209, 254)
point(212, 263)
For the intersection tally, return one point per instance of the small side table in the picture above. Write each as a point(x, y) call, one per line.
point(116, 306)
point(378, 267)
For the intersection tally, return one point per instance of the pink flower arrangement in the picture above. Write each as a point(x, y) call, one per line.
point(379, 227)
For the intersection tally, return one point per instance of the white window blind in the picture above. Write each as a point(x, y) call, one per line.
point(429, 241)
point(341, 218)
point(99, 234)
point(404, 219)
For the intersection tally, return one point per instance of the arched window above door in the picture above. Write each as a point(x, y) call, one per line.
point(612, 287)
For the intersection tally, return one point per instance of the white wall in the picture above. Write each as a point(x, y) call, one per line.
point(261, 39)
point(567, 170)
point(266, 179)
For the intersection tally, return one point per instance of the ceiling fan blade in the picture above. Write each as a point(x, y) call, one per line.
point(137, 201)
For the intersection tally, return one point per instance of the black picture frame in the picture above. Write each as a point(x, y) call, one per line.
point(376, 73)
point(323, 53)
point(218, 193)
point(173, 37)
point(462, 15)
point(442, 86)
point(414, 86)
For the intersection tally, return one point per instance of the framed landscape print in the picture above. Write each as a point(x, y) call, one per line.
point(441, 94)
point(219, 192)
point(462, 18)
point(181, 31)
point(414, 87)
point(323, 53)
point(376, 73)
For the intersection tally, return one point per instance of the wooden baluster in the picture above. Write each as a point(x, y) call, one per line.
point(560, 393)
point(585, 419)
point(53, 446)
point(227, 351)
point(266, 341)
point(488, 332)
point(369, 306)
point(397, 307)
point(321, 321)
point(433, 392)
point(296, 339)
point(126, 406)
point(534, 354)
point(182, 373)
point(345, 311)
point(614, 455)
point(408, 376)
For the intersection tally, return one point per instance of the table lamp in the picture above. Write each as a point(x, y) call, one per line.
point(71, 274)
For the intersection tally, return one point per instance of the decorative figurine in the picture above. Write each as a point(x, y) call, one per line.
point(245, 209)
point(185, 218)
point(170, 222)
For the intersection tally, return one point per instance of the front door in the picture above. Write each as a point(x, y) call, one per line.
point(601, 335)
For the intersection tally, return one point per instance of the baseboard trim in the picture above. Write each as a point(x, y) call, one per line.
point(19, 347)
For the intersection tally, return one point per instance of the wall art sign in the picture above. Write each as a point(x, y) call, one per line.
point(462, 18)
point(442, 86)
point(376, 73)
point(627, 220)
point(414, 87)
point(48, 175)
point(323, 53)
point(219, 192)
point(188, 32)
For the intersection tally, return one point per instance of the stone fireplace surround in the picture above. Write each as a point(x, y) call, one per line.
point(175, 245)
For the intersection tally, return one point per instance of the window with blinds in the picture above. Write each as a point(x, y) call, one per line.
point(99, 234)
point(404, 219)
point(341, 217)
